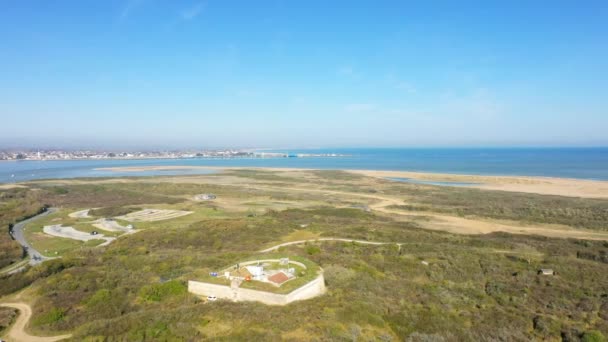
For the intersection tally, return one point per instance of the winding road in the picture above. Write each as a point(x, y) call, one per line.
point(17, 332)
point(35, 256)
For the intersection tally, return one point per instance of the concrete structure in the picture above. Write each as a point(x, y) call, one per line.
point(205, 197)
point(151, 215)
point(112, 226)
point(312, 289)
point(546, 271)
point(71, 233)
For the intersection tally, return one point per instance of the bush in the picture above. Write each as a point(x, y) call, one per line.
point(101, 296)
point(312, 250)
point(593, 336)
point(159, 292)
point(53, 316)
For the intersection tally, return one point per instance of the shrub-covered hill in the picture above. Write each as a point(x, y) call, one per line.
point(468, 288)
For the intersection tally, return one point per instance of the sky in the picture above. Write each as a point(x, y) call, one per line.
point(276, 74)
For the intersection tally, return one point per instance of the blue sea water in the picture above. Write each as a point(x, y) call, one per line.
point(583, 163)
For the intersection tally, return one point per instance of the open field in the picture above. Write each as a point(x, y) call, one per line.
point(424, 262)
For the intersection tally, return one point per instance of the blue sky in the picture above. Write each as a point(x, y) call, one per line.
point(154, 73)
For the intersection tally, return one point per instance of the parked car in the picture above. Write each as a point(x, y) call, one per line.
point(211, 298)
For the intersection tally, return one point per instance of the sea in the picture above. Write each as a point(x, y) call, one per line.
point(581, 163)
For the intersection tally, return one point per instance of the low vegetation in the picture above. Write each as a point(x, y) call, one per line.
point(16, 204)
point(7, 316)
point(575, 212)
point(434, 286)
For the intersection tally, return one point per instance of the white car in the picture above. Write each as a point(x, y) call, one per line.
point(211, 298)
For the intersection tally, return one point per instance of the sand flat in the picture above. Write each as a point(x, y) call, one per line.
point(538, 185)
point(529, 184)
point(157, 168)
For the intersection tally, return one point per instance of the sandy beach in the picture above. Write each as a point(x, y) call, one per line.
point(538, 185)
point(527, 184)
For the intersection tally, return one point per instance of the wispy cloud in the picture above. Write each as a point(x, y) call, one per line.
point(129, 6)
point(193, 11)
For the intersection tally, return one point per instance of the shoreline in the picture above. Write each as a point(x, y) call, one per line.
point(570, 187)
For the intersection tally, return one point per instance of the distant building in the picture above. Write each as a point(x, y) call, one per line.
point(205, 197)
point(546, 271)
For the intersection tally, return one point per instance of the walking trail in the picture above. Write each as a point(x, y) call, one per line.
point(17, 332)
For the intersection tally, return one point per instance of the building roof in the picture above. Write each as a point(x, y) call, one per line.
point(278, 278)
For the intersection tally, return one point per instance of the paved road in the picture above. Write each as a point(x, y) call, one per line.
point(35, 256)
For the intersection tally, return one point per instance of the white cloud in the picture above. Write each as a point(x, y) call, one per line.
point(192, 12)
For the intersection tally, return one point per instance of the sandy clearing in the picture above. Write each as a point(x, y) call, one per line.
point(454, 224)
point(150, 215)
point(71, 233)
point(11, 186)
point(538, 185)
point(17, 332)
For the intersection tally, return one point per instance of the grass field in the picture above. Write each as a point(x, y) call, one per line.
point(436, 286)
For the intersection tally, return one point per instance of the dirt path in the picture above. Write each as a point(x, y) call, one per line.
point(398, 244)
point(17, 332)
point(273, 248)
point(455, 224)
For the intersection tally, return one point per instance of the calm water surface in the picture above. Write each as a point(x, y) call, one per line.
point(584, 163)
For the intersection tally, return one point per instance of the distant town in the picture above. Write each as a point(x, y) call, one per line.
point(58, 154)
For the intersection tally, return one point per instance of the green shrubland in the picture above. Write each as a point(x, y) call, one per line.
point(436, 286)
